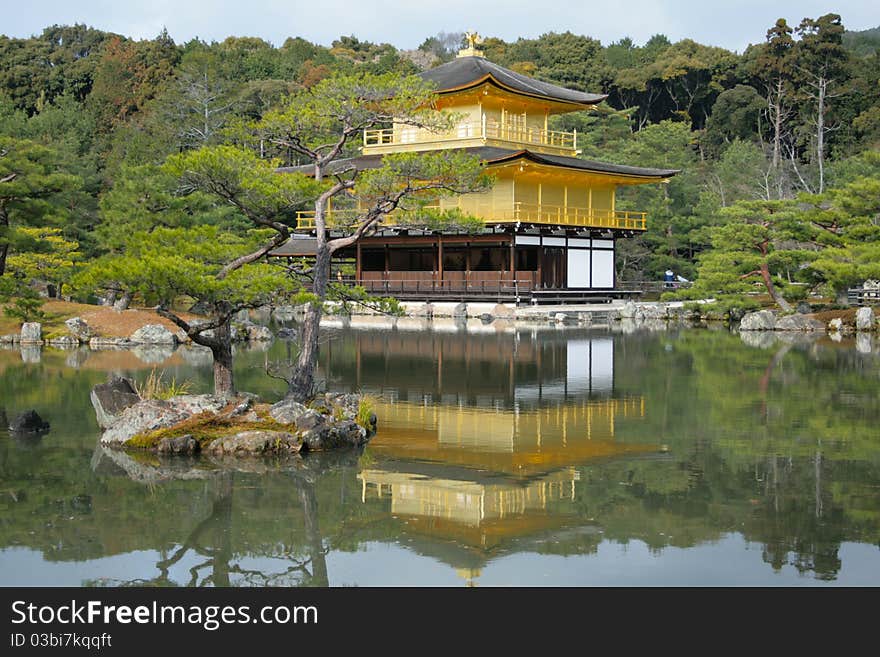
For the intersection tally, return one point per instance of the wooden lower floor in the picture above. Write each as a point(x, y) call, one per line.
point(490, 266)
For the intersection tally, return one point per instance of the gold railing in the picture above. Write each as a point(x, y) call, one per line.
point(520, 212)
point(484, 129)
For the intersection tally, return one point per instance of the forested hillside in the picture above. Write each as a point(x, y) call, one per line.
point(778, 145)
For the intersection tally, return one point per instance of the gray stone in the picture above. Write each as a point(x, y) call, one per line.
point(242, 316)
point(424, 311)
point(256, 442)
point(798, 323)
point(287, 411)
point(153, 334)
point(762, 320)
point(151, 414)
point(110, 399)
point(13, 338)
point(185, 444)
point(79, 329)
point(286, 333)
point(309, 420)
point(803, 308)
point(654, 311)
point(865, 319)
point(631, 310)
point(64, 342)
point(460, 310)
point(257, 333)
point(31, 333)
point(109, 343)
point(29, 422)
point(347, 433)
point(835, 325)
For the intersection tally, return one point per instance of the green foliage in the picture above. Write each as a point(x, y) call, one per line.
point(167, 263)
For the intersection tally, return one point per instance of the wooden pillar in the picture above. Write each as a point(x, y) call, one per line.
point(467, 265)
point(358, 265)
point(387, 266)
point(539, 283)
point(440, 259)
point(512, 255)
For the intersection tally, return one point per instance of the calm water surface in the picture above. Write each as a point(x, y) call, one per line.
point(504, 457)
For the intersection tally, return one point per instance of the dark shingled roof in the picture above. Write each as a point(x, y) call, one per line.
point(493, 155)
point(297, 246)
point(465, 72)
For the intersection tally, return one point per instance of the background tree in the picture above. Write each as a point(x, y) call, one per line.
point(30, 185)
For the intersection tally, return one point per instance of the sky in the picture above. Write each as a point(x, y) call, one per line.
point(406, 23)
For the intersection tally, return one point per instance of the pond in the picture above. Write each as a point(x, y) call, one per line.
point(505, 456)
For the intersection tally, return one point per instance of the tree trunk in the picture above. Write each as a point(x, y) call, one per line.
point(224, 383)
point(302, 385)
point(777, 137)
point(4, 248)
point(820, 133)
point(771, 289)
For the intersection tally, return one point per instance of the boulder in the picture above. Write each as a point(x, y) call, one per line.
point(110, 399)
point(257, 333)
point(460, 310)
point(286, 334)
point(153, 334)
point(287, 411)
point(865, 319)
point(654, 311)
point(151, 414)
point(79, 329)
point(12, 338)
point(185, 444)
point(503, 311)
point(630, 310)
point(31, 333)
point(64, 342)
point(798, 323)
point(835, 325)
point(762, 320)
point(256, 442)
point(424, 311)
point(29, 422)
point(346, 433)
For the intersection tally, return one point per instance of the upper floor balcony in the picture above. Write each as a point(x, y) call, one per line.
point(518, 212)
point(510, 130)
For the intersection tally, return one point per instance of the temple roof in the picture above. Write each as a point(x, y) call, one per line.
point(467, 72)
point(494, 155)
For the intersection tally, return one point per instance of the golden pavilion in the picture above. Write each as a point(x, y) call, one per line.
point(551, 222)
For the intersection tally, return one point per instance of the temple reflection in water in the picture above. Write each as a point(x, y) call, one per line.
point(480, 439)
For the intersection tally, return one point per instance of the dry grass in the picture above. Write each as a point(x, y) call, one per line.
point(104, 320)
point(155, 387)
point(848, 315)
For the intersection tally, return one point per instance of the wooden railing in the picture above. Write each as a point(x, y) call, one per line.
point(519, 213)
point(482, 129)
